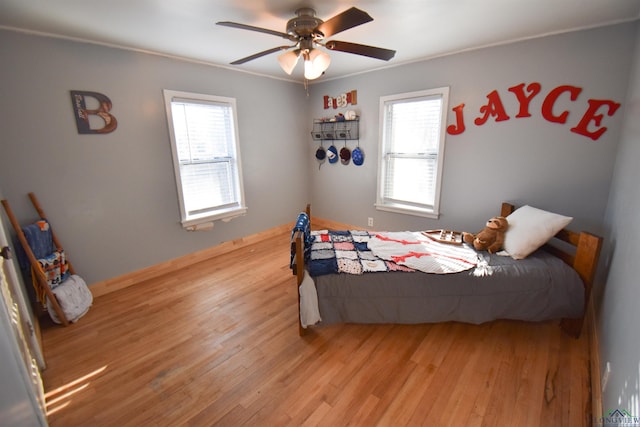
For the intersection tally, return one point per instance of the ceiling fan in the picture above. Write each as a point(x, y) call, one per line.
point(307, 32)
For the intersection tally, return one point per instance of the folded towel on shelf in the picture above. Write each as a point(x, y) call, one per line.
point(40, 241)
point(74, 298)
point(55, 267)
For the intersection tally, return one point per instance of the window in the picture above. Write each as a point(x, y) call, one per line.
point(206, 156)
point(411, 152)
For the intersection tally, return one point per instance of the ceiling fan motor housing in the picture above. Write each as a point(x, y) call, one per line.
point(305, 24)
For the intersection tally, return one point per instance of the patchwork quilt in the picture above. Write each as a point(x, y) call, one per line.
point(346, 252)
point(359, 252)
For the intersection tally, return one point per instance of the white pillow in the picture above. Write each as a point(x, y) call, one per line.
point(530, 228)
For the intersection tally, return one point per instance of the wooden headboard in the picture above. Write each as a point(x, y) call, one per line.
point(583, 259)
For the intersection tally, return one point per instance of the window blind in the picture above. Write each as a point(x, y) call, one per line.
point(204, 141)
point(206, 156)
point(411, 149)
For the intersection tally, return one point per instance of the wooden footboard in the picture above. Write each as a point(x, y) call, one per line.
point(297, 244)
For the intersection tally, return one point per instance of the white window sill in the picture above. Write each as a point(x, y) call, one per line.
point(425, 213)
point(201, 222)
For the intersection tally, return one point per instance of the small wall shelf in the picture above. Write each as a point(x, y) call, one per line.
point(338, 130)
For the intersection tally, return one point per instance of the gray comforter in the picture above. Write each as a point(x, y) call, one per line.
point(540, 287)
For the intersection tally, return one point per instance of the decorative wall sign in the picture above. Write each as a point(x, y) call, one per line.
point(341, 100)
point(590, 125)
point(83, 114)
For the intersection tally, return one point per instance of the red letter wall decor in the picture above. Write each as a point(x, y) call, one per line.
point(493, 108)
point(458, 128)
point(590, 125)
point(552, 97)
point(590, 115)
point(533, 88)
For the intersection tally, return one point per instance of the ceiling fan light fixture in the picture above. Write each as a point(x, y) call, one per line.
point(316, 62)
point(288, 60)
point(307, 31)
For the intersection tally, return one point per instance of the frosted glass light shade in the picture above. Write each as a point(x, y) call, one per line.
point(288, 60)
point(315, 63)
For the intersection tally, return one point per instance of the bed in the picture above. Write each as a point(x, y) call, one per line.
point(551, 281)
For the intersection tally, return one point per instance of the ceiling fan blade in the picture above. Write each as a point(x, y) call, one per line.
point(260, 54)
point(361, 49)
point(258, 29)
point(343, 21)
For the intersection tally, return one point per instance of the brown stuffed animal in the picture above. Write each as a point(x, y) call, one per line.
point(491, 237)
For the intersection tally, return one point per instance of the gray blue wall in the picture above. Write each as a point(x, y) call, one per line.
point(522, 160)
point(619, 316)
point(112, 198)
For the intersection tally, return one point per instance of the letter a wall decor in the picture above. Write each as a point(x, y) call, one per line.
point(83, 114)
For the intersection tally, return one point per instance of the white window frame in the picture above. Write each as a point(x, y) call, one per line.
point(227, 211)
point(383, 201)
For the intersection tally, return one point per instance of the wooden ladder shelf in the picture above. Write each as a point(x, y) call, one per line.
point(37, 270)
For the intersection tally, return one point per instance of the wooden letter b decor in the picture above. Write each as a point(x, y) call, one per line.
point(84, 114)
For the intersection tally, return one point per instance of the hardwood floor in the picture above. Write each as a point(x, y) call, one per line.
point(217, 344)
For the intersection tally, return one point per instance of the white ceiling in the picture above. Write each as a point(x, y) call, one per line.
point(416, 29)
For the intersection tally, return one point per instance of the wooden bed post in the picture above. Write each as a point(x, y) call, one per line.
point(506, 209)
point(585, 263)
point(299, 274)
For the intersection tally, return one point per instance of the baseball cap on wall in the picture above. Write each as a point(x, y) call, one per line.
point(332, 154)
point(345, 155)
point(357, 156)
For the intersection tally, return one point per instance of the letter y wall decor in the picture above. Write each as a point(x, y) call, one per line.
point(96, 120)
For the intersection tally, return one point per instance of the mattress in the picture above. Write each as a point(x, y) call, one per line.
point(540, 287)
